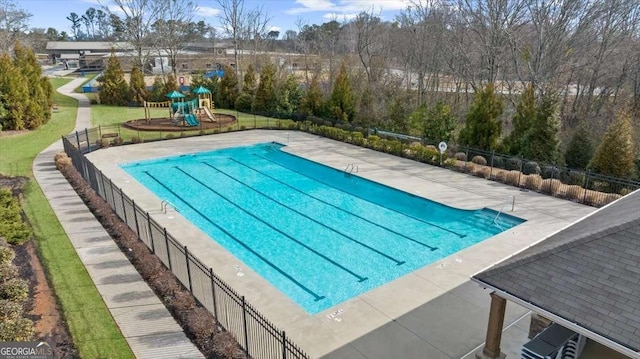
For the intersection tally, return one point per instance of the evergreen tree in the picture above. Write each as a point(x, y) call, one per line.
point(523, 119)
point(137, 87)
point(113, 87)
point(249, 83)
point(341, 105)
point(615, 154)
point(228, 88)
point(47, 89)
point(366, 107)
point(313, 101)
point(541, 142)
point(417, 119)
point(397, 114)
point(37, 109)
point(13, 92)
point(440, 123)
point(482, 126)
point(266, 99)
point(289, 96)
point(171, 84)
point(157, 92)
point(580, 149)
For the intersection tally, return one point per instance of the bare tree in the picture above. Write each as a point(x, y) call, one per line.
point(256, 28)
point(136, 21)
point(370, 43)
point(172, 30)
point(232, 18)
point(13, 23)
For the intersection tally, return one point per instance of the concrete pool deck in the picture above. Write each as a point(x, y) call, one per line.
point(434, 312)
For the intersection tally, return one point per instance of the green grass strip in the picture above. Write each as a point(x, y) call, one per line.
point(93, 330)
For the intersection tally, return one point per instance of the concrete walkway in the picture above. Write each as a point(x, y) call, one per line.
point(145, 323)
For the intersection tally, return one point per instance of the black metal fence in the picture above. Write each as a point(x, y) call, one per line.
point(582, 186)
point(259, 337)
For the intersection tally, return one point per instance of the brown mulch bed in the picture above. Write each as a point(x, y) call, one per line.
point(197, 322)
point(164, 124)
point(41, 307)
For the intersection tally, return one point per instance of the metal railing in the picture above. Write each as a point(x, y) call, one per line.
point(257, 335)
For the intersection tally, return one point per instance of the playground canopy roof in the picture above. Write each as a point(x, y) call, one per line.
point(201, 90)
point(174, 94)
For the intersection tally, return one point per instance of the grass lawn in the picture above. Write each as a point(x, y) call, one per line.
point(109, 117)
point(91, 326)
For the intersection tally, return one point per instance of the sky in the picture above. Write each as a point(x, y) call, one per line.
point(285, 14)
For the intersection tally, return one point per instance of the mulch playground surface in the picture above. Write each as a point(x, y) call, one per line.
point(165, 124)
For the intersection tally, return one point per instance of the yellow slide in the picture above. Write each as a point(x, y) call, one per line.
point(209, 114)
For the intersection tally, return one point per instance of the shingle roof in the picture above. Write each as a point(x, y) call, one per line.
point(587, 273)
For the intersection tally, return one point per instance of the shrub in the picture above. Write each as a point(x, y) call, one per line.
point(12, 228)
point(482, 172)
point(60, 155)
point(202, 133)
point(9, 310)
point(117, 141)
point(531, 168)
point(6, 255)
point(514, 163)
point(603, 200)
point(103, 143)
point(513, 178)
point(243, 127)
point(359, 129)
point(575, 193)
point(374, 142)
point(479, 160)
point(625, 191)
point(20, 330)
point(15, 289)
point(7, 271)
point(170, 136)
point(572, 177)
point(498, 162)
point(62, 161)
point(244, 102)
point(137, 139)
point(450, 162)
point(230, 128)
point(327, 123)
point(533, 182)
point(357, 138)
point(551, 186)
point(500, 175)
point(461, 156)
point(550, 172)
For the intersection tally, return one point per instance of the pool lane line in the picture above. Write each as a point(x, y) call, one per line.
point(364, 199)
point(336, 207)
point(398, 262)
point(356, 275)
point(285, 274)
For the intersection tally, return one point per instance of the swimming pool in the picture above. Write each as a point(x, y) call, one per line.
point(319, 235)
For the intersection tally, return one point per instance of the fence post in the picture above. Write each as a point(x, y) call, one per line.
point(100, 131)
point(186, 258)
point(113, 197)
point(135, 218)
point(493, 154)
point(244, 321)
point(153, 246)
point(284, 346)
point(586, 185)
point(466, 161)
point(86, 132)
point(166, 243)
point(124, 209)
point(521, 166)
point(213, 294)
point(78, 140)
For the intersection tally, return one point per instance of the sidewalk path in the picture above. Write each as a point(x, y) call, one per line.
point(144, 321)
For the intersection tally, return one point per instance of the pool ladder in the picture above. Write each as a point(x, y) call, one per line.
point(351, 168)
point(165, 204)
point(513, 204)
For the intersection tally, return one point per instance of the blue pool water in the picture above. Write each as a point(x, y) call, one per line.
point(317, 234)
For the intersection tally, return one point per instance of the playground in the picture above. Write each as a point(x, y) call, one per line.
point(196, 113)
